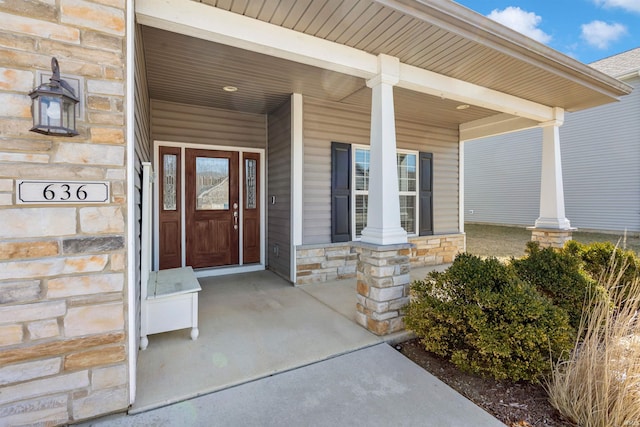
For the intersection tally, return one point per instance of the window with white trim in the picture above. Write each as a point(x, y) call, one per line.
point(407, 186)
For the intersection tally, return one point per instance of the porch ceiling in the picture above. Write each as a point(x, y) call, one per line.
point(189, 70)
point(440, 36)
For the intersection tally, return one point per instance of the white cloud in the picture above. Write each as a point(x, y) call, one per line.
point(630, 5)
point(600, 34)
point(522, 21)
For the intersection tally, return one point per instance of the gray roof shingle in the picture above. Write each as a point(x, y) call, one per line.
point(620, 64)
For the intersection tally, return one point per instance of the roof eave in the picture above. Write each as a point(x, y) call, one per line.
point(474, 26)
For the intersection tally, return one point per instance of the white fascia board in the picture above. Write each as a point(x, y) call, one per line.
point(494, 125)
point(421, 80)
point(210, 23)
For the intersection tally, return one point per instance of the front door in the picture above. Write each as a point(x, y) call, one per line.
point(211, 208)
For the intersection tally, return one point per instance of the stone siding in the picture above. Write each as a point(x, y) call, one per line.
point(383, 286)
point(63, 281)
point(435, 250)
point(321, 263)
point(551, 237)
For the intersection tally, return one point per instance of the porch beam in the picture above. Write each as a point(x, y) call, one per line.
point(494, 125)
point(217, 25)
point(425, 81)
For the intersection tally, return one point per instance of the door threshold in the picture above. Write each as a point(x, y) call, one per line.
point(224, 271)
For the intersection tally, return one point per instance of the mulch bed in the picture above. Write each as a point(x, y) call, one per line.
point(515, 404)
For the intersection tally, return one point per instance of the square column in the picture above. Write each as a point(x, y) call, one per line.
point(383, 213)
point(552, 228)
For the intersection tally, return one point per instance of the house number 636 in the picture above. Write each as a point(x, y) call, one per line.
point(64, 192)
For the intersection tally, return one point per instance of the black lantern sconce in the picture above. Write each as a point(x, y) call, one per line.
point(53, 106)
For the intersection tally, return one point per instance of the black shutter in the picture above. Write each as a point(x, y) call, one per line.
point(425, 194)
point(340, 192)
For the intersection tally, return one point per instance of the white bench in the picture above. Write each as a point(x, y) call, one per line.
point(168, 298)
point(171, 303)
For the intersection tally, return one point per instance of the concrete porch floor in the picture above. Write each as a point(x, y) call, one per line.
point(279, 355)
point(252, 325)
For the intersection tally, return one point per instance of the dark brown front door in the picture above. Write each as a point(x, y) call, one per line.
point(211, 208)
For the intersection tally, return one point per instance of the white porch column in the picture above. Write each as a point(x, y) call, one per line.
point(552, 214)
point(383, 214)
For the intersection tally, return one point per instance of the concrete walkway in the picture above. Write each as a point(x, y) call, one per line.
point(375, 386)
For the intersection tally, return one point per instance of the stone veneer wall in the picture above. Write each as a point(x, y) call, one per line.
point(551, 237)
point(436, 249)
point(321, 263)
point(63, 282)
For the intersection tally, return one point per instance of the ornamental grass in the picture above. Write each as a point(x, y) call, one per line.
point(599, 383)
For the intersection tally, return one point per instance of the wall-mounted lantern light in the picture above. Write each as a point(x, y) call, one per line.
point(53, 106)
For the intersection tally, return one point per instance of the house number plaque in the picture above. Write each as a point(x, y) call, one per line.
point(61, 192)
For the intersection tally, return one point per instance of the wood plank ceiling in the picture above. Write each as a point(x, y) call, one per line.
point(189, 70)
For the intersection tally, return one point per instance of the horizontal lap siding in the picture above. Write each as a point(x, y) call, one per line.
point(202, 125)
point(600, 150)
point(601, 165)
point(325, 122)
point(279, 186)
point(502, 178)
point(142, 149)
point(443, 143)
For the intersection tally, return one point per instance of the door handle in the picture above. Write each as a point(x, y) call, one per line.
point(235, 220)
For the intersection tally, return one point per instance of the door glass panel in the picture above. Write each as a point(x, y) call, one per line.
point(250, 180)
point(169, 164)
point(212, 183)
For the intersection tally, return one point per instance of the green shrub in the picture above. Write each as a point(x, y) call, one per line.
point(486, 320)
point(604, 259)
point(559, 275)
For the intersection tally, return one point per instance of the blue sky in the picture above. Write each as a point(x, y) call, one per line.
point(587, 30)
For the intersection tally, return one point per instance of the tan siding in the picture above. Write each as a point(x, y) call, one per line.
point(325, 122)
point(142, 151)
point(443, 143)
point(279, 185)
point(202, 125)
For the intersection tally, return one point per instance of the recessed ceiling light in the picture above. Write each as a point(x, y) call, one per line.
point(462, 107)
point(230, 89)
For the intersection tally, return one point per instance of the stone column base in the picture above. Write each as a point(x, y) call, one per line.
point(549, 237)
point(383, 286)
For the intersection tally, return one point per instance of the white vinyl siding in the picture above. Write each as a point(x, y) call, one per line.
point(326, 121)
point(502, 178)
point(203, 125)
point(600, 150)
point(279, 186)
